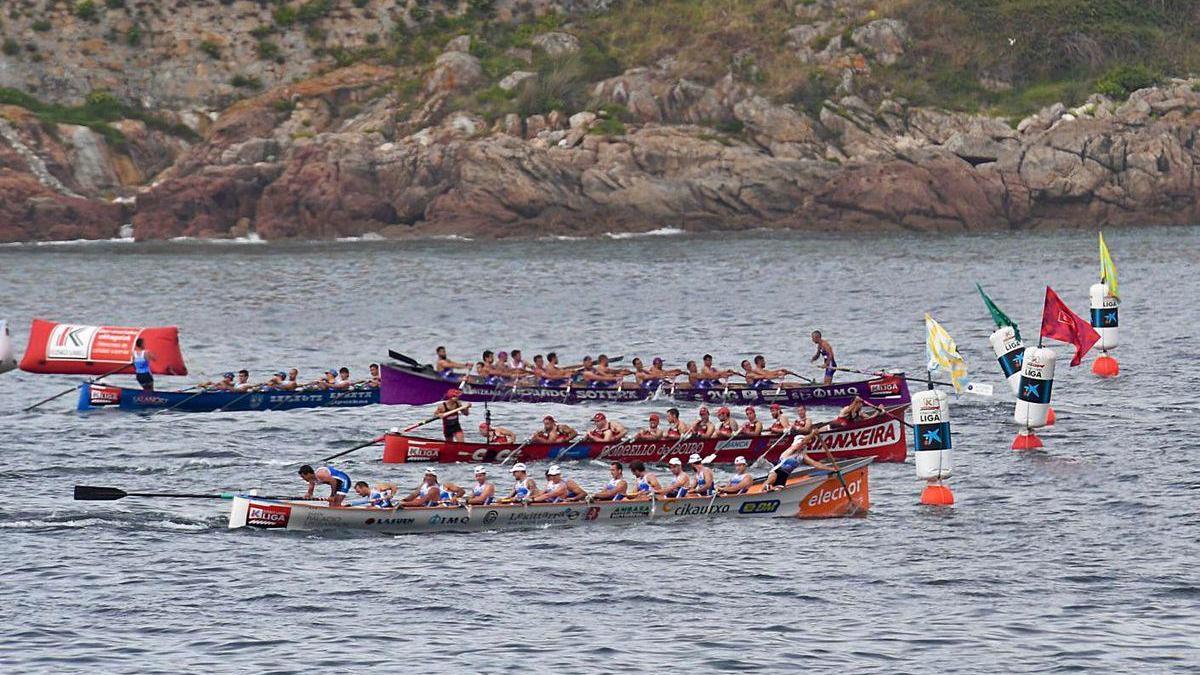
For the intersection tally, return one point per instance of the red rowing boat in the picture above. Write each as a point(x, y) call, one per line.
point(881, 437)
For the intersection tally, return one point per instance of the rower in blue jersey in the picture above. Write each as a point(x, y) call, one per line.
point(703, 482)
point(790, 460)
point(825, 351)
point(525, 488)
point(560, 489)
point(483, 492)
point(739, 482)
point(141, 365)
point(428, 493)
point(381, 497)
point(647, 483)
point(616, 488)
point(338, 481)
point(681, 482)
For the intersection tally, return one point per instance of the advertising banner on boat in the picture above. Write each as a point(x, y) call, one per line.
point(74, 349)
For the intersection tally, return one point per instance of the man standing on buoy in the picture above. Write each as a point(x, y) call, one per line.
point(825, 350)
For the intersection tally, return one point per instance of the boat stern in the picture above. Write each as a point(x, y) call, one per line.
point(832, 499)
point(259, 514)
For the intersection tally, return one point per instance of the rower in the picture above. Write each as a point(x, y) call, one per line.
point(428, 493)
point(780, 422)
point(641, 375)
point(680, 485)
point(606, 431)
point(703, 427)
point(486, 369)
point(554, 376)
point(739, 482)
point(445, 367)
point(675, 426)
point(338, 481)
point(525, 487)
point(373, 381)
point(343, 379)
point(726, 426)
point(703, 483)
point(483, 492)
point(647, 483)
point(380, 497)
point(765, 376)
point(243, 384)
point(141, 365)
point(850, 413)
point(713, 374)
point(496, 434)
point(695, 380)
point(653, 432)
point(802, 425)
point(518, 363)
point(224, 384)
point(825, 351)
point(276, 381)
point(601, 374)
point(791, 458)
point(752, 426)
point(559, 489)
point(449, 410)
point(539, 367)
point(289, 382)
point(656, 371)
point(329, 380)
point(615, 489)
point(553, 432)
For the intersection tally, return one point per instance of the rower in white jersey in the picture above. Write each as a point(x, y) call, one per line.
point(428, 493)
point(739, 482)
point(647, 483)
point(682, 481)
point(525, 487)
point(483, 492)
point(703, 482)
point(560, 489)
point(616, 488)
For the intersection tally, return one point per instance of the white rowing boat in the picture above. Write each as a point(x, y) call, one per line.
point(808, 494)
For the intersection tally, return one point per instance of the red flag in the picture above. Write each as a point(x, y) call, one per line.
point(1060, 323)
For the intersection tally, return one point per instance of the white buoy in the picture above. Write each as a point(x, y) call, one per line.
point(932, 446)
point(7, 360)
point(1033, 395)
point(1104, 320)
point(1009, 351)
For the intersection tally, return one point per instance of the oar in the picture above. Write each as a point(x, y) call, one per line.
point(109, 494)
point(677, 443)
point(892, 415)
point(202, 391)
point(516, 453)
point(838, 470)
point(405, 359)
point(563, 453)
point(977, 389)
point(786, 434)
point(119, 368)
point(360, 446)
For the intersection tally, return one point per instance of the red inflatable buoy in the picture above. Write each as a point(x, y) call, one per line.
point(1026, 440)
point(1050, 417)
point(937, 494)
point(1105, 366)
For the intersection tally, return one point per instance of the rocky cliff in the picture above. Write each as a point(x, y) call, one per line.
point(545, 132)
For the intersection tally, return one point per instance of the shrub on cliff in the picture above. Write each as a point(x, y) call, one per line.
point(86, 10)
point(1123, 80)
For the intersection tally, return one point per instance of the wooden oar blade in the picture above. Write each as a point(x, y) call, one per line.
point(98, 494)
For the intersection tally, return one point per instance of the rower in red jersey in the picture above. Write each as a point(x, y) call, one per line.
point(703, 427)
point(726, 426)
point(449, 410)
point(780, 422)
point(553, 432)
point(653, 432)
point(752, 426)
point(606, 430)
point(675, 426)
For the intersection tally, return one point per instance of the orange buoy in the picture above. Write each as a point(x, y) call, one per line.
point(395, 447)
point(1105, 366)
point(937, 494)
point(1050, 417)
point(1026, 440)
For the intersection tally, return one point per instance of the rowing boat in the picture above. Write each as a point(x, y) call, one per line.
point(808, 494)
point(881, 438)
point(104, 396)
point(402, 385)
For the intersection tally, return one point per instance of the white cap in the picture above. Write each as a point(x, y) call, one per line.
point(694, 459)
point(479, 470)
point(519, 466)
point(554, 470)
point(431, 471)
point(675, 461)
point(739, 460)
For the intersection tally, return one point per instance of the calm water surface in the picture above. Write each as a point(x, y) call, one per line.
point(1079, 558)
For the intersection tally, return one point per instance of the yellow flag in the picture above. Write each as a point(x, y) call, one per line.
point(1108, 271)
point(943, 354)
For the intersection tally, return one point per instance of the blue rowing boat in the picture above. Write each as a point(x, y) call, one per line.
point(92, 396)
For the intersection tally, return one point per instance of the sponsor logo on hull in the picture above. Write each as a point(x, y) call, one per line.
point(389, 521)
point(268, 516)
point(631, 511)
point(98, 395)
point(830, 498)
point(862, 439)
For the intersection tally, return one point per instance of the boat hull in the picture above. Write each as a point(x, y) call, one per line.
point(881, 438)
point(812, 495)
point(93, 396)
point(406, 386)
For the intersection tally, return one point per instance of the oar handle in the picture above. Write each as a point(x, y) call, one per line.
point(360, 446)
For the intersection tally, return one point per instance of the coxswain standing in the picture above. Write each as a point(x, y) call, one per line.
point(703, 482)
point(495, 434)
point(449, 410)
point(553, 432)
point(483, 492)
point(752, 426)
point(141, 365)
point(525, 487)
point(616, 488)
point(606, 431)
point(653, 432)
point(739, 482)
point(647, 483)
point(825, 351)
point(338, 481)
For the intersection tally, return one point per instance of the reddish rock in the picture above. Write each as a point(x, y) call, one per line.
point(30, 211)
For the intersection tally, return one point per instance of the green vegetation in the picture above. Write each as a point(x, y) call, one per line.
point(268, 50)
point(245, 82)
point(41, 25)
point(211, 48)
point(98, 111)
point(86, 9)
point(11, 47)
point(1122, 80)
point(608, 127)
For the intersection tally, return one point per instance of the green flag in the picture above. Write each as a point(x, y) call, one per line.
point(998, 316)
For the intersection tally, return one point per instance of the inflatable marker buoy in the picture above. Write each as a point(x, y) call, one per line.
point(1032, 410)
point(7, 360)
point(1104, 320)
point(1009, 352)
point(932, 446)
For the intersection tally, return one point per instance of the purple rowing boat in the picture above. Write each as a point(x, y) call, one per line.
point(411, 386)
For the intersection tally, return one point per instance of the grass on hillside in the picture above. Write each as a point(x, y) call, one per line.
point(96, 113)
